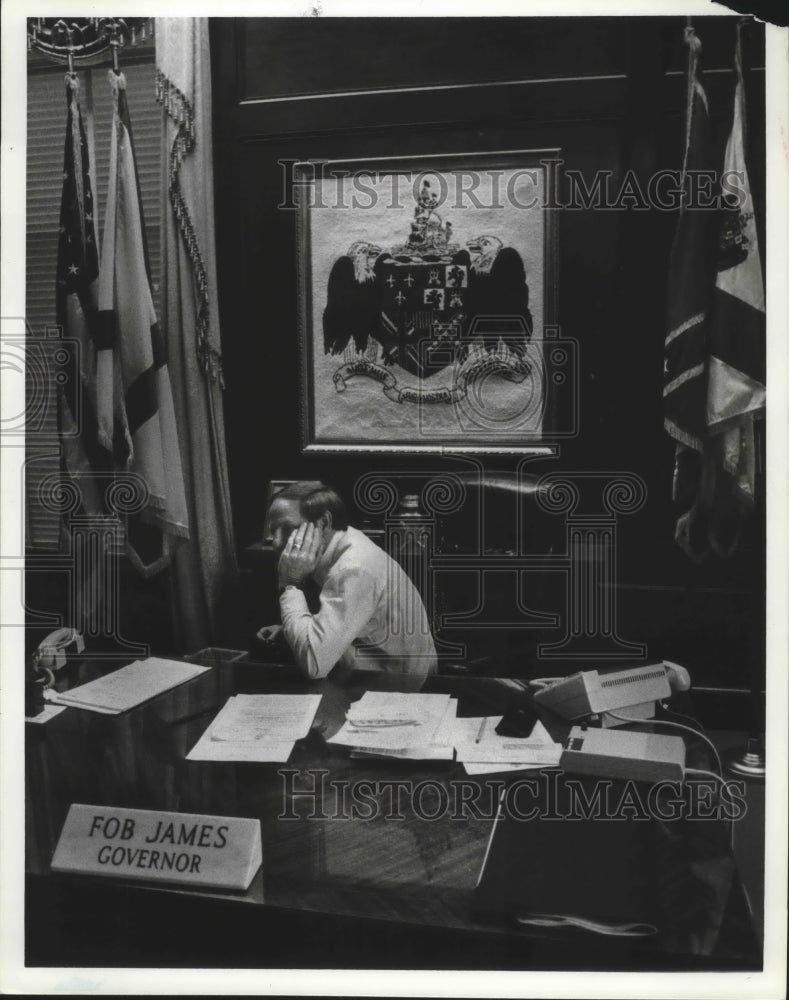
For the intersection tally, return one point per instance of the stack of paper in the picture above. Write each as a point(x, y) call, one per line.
point(483, 751)
point(412, 726)
point(47, 712)
point(128, 687)
point(257, 727)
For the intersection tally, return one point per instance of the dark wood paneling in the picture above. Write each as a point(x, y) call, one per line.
point(613, 263)
point(527, 102)
point(263, 300)
point(287, 57)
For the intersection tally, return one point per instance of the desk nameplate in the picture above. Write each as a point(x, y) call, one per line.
point(210, 852)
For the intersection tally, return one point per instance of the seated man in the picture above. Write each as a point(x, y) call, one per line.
point(371, 616)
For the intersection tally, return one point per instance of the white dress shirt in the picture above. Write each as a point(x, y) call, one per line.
point(371, 616)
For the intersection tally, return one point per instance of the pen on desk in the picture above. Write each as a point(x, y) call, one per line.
point(481, 732)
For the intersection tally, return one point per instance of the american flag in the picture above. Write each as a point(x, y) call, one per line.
point(83, 456)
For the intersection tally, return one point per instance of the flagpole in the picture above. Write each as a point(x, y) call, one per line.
point(750, 761)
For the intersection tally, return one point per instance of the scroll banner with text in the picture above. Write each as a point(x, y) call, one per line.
point(513, 369)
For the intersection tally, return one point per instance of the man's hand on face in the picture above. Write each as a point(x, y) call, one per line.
point(300, 555)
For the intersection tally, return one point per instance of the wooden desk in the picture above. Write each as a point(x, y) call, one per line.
point(394, 890)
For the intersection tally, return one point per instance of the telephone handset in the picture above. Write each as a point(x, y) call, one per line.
point(53, 651)
point(51, 654)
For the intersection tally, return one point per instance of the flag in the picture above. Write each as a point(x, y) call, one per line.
point(690, 284)
point(82, 455)
point(691, 276)
point(134, 397)
point(711, 368)
point(736, 377)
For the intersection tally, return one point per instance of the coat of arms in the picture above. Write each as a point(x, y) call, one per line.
point(426, 306)
point(733, 242)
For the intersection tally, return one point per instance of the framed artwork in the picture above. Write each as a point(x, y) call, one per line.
point(427, 287)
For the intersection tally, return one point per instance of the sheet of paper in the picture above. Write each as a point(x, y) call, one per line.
point(48, 712)
point(441, 747)
point(392, 721)
point(128, 687)
point(510, 751)
point(54, 698)
point(270, 718)
point(257, 728)
point(473, 768)
point(208, 749)
point(541, 735)
point(397, 707)
point(466, 730)
point(478, 742)
point(443, 735)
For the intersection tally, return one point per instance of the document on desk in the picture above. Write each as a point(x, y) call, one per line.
point(395, 723)
point(482, 750)
point(47, 712)
point(474, 769)
point(128, 687)
point(440, 747)
point(257, 727)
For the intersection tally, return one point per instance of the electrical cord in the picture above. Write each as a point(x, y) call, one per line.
point(543, 682)
point(719, 778)
point(705, 773)
point(679, 715)
point(565, 920)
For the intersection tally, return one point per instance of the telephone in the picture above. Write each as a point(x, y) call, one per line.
point(51, 654)
point(54, 650)
point(634, 690)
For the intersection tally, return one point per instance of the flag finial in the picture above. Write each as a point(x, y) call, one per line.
point(692, 40)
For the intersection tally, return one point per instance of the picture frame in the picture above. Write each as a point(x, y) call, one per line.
point(428, 303)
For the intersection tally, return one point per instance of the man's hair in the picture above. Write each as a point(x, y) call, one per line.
point(315, 498)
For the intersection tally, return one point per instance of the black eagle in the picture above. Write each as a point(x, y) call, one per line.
point(496, 301)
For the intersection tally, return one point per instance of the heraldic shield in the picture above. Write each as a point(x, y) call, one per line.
point(424, 304)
